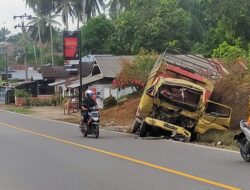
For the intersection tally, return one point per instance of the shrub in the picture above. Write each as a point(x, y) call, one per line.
point(21, 93)
point(37, 102)
point(109, 102)
point(229, 52)
point(135, 74)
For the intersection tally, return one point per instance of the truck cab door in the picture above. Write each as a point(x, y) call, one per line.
point(216, 116)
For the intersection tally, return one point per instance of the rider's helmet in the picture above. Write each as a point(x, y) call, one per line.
point(89, 93)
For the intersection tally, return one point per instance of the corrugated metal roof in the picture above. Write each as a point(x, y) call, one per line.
point(57, 83)
point(20, 75)
point(91, 58)
point(111, 66)
point(54, 72)
point(85, 80)
point(23, 83)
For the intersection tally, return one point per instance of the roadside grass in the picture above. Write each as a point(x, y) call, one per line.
point(21, 110)
point(219, 139)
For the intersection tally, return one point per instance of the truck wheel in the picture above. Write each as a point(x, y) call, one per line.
point(193, 136)
point(143, 129)
point(136, 126)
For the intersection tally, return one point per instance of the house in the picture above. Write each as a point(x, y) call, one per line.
point(57, 77)
point(54, 76)
point(61, 84)
point(38, 79)
point(105, 69)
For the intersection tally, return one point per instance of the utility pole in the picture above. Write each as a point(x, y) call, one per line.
point(80, 62)
point(6, 56)
point(23, 27)
point(34, 48)
point(6, 65)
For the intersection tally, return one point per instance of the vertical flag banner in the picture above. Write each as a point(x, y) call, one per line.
point(71, 47)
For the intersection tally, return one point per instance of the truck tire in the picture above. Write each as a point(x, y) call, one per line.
point(136, 126)
point(193, 136)
point(143, 129)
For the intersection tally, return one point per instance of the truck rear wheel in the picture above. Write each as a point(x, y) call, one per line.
point(193, 136)
point(136, 126)
point(143, 129)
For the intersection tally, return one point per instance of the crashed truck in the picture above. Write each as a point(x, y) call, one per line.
point(176, 99)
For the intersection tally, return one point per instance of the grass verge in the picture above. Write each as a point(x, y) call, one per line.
point(219, 139)
point(21, 110)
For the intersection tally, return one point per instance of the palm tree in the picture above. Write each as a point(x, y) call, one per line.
point(78, 6)
point(37, 21)
point(93, 7)
point(87, 9)
point(41, 28)
point(65, 7)
point(43, 10)
point(51, 23)
point(117, 6)
point(43, 7)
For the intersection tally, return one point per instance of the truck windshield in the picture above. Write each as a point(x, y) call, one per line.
point(181, 96)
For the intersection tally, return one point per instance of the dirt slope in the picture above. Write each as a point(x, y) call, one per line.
point(234, 90)
point(122, 114)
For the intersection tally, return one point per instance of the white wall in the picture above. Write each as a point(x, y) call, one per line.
point(105, 90)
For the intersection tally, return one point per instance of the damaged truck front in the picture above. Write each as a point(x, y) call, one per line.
point(175, 101)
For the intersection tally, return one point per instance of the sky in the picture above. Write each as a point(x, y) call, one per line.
point(9, 8)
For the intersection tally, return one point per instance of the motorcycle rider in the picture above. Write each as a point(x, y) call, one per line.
point(87, 103)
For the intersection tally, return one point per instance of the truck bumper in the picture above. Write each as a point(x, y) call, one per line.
point(169, 127)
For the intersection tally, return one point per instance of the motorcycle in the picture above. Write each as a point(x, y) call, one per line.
point(92, 126)
point(243, 140)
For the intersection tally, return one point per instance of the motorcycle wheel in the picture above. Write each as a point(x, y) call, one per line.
point(83, 131)
point(96, 131)
point(244, 155)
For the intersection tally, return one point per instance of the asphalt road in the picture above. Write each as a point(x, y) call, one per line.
point(38, 154)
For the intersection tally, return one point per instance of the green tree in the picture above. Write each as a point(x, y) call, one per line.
point(199, 26)
point(228, 20)
point(95, 35)
point(4, 33)
point(118, 6)
point(152, 26)
point(229, 52)
point(2, 62)
point(136, 73)
point(211, 40)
